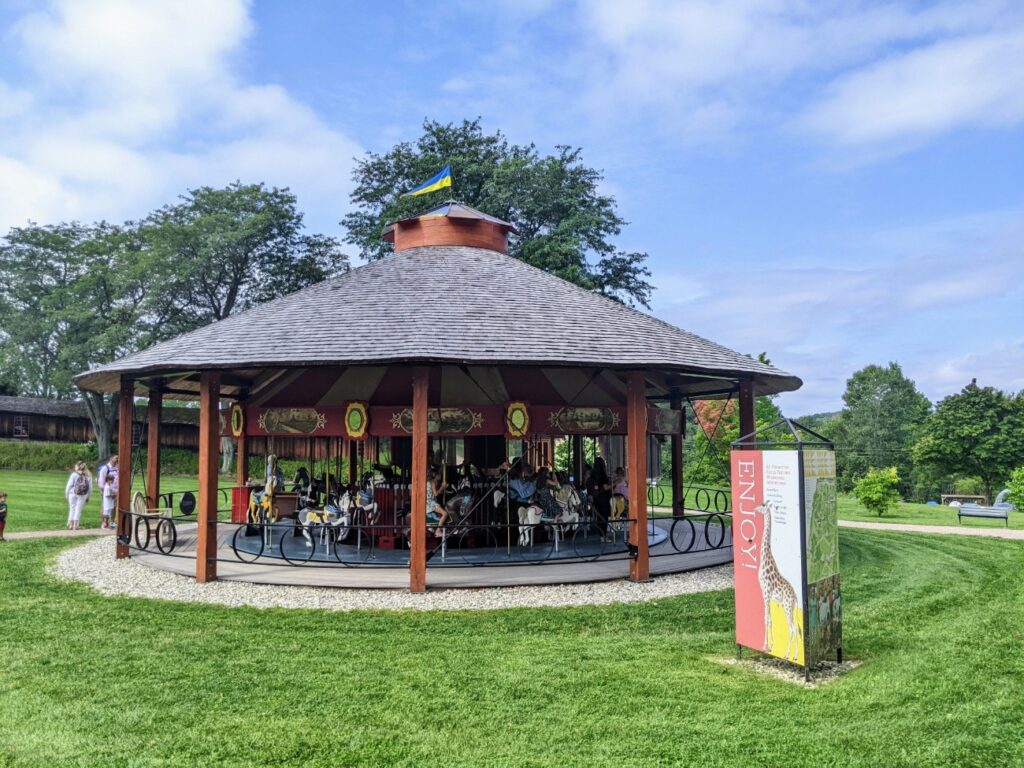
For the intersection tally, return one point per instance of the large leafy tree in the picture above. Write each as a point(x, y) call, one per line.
point(80, 295)
point(978, 432)
point(219, 251)
point(882, 418)
point(73, 298)
point(565, 224)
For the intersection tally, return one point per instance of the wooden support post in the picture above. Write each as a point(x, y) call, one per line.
point(577, 458)
point(678, 494)
point(209, 464)
point(747, 421)
point(153, 416)
point(418, 491)
point(125, 415)
point(636, 460)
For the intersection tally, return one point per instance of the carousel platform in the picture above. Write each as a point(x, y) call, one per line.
point(287, 560)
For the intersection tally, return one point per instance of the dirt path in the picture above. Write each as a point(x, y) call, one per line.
point(994, 533)
point(59, 534)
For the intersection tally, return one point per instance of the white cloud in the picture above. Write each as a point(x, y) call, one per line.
point(131, 103)
point(972, 81)
point(942, 285)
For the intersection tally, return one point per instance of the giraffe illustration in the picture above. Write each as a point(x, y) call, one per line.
point(775, 587)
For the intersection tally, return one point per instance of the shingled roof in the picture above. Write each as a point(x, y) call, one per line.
point(442, 304)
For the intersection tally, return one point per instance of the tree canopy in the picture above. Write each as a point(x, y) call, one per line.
point(565, 224)
point(882, 419)
point(79, 295)
point(218, 251)
point(977, 432)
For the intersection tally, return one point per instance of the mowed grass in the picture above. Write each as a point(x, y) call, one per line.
point(936, 621)
point(922, 514)
point(36, 500)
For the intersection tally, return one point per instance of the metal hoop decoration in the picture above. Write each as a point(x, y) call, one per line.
point(683, 534)
point(249, 556)
point(142, 532)
point(517, 419)
point(357, 420)
point(237, 421)
point(706, 504)
point(166, 536)
point(721, 502)
point(721, 530)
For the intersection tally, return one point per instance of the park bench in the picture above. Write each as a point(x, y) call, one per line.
point(1001, 509)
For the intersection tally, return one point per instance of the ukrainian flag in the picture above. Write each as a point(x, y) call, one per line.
point(440, 181)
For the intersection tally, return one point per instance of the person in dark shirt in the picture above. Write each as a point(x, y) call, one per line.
point(3, 514)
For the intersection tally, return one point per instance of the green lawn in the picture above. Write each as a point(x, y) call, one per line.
point(938, 622)
point(921, 514)
point(36, 499)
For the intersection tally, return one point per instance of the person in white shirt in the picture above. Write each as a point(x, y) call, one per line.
point(77, 491)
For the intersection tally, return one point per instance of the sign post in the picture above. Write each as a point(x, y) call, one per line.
point(786, 546)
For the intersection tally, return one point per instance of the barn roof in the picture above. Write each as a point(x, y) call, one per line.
point(442, 304)
point(75, 409)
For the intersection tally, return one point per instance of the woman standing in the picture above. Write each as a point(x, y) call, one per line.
point(77, 491)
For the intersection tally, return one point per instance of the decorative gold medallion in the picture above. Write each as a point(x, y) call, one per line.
point(517, 419)
point(357, 420)
point(237, 420)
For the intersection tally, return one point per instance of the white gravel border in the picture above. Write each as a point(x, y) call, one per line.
point(92, 564)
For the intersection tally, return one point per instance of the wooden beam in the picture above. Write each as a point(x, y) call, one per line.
point(209, 464)
point(636, 461)
point(678, 497)
point(748, 422)
point(125, 416)
point(153, 416)
point(418, 491)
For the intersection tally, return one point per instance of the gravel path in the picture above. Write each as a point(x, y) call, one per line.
point(952, 530)
point(64, 533)
point(91, 563)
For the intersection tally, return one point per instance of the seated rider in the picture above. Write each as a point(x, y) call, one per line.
point(547, 488)
point(436, 513)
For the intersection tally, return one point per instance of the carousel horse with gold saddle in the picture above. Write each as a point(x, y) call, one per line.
point(262, 508)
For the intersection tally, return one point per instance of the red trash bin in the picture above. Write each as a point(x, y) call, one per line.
point(239, 503)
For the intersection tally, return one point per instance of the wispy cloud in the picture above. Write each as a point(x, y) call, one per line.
point(126, 104)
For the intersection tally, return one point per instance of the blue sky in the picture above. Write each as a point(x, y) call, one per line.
point(836, 184)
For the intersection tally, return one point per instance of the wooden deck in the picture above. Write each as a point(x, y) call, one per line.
point(268, 570)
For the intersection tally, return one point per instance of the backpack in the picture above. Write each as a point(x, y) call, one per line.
point(81, 486)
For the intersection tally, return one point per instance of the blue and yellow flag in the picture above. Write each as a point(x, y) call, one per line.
point(442, 180)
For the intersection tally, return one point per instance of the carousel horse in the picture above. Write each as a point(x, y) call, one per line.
point(335, 518)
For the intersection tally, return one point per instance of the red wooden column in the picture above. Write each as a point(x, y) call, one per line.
point(676, 446)
point(418, 492)
point(125, 416)
point(747, 421)
point(156, 407)
point(209, 464)
point(636, 461)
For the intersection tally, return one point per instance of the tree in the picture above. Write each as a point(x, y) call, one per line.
point(718, 425)
point(877, 490)
point(978, 432)
point(882, 419)
point(1016, 486)
point(219, 251)
point(73, 299)
point(81, 295)
point(565, 225)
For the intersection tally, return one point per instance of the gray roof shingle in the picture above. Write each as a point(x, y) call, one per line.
point(442, 304)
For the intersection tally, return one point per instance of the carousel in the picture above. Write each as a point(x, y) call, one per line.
point(445, 416)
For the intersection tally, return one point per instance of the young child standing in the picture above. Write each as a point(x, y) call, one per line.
point(109, 500)
point(3, 514)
